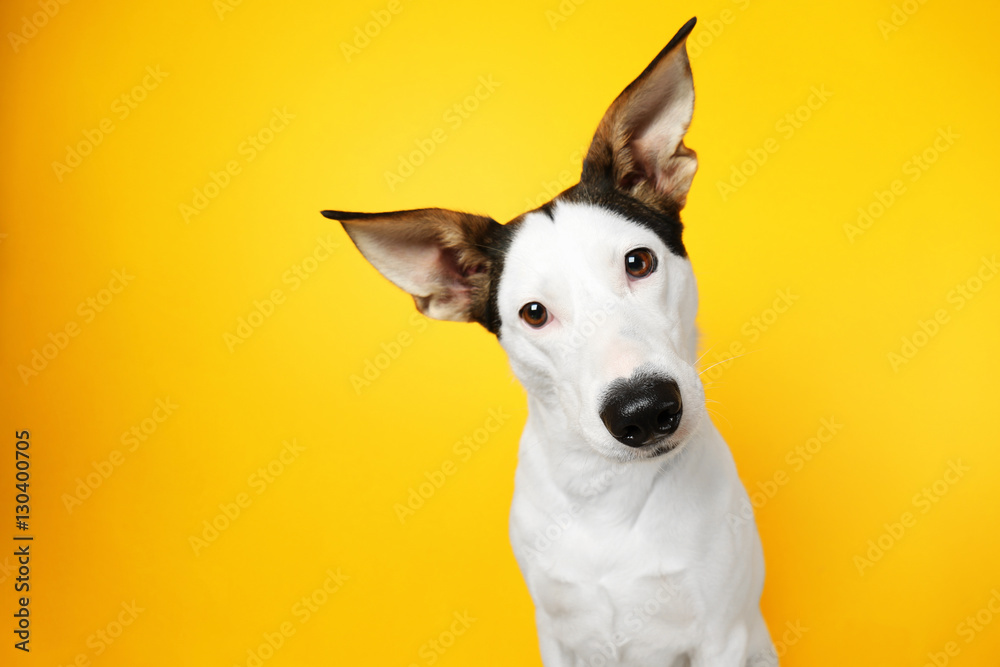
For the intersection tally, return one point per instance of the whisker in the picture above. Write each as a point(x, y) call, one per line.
point(702, 372)
point(718, 414)
point(702, 355)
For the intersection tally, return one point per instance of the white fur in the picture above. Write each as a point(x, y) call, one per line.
point(630, 560)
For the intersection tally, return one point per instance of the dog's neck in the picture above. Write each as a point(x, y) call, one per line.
point(555, 457)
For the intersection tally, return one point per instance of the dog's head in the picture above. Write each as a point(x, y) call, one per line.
point(592, 294)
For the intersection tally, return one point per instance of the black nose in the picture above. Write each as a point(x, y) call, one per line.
point(638, 410)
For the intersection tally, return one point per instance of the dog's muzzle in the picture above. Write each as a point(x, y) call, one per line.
point(641, 409)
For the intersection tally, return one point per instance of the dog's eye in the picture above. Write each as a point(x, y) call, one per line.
point(640, 262)
point(535, 314)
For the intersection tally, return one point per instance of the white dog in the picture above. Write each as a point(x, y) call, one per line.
point(624, 485)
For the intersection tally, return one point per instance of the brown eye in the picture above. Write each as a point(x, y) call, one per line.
point(535, 314)
point(640, 262)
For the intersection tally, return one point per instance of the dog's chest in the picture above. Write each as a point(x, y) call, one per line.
point(622, 589)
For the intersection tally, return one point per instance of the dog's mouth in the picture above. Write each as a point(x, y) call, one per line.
point(659, 447)
point(660, 450)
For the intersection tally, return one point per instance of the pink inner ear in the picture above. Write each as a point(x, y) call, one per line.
point(420, 252)
point(657, 155)
point(646, 152)
point(449, 266)
point(640, 169)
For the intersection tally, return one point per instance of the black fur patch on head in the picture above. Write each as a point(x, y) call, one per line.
point(495, 245)
point(664, 222)
point(546, 208)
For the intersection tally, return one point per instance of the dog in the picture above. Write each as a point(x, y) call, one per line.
point(621, 520)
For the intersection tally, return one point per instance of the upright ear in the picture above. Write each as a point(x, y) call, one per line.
point(639, 146)
point(440, 257)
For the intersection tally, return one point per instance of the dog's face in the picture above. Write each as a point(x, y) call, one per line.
point(597, 316)
point(591, 295)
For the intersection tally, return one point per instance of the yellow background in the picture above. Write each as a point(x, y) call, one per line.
point(332, 507)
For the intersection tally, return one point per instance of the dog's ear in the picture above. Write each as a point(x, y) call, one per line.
point(440, 257)
point(639, 146)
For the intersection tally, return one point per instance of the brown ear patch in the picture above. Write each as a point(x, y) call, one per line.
point(638, 148)
point(445, 259)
